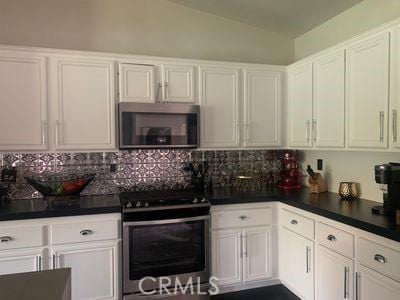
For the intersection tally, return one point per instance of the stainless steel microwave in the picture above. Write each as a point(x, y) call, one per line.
point(143, 125)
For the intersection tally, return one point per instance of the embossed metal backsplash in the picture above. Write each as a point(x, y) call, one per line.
point(141, 169)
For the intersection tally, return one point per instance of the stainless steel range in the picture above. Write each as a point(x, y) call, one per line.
point(165, 244)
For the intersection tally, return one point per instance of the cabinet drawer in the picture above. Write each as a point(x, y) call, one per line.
point(20, 237)
point(241, 218)
point(336, 239)
point(379, 258)
point(83, 232)
point(297, 223)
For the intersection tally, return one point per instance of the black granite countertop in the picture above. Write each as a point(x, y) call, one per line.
point(39, 208)
point(356, 213)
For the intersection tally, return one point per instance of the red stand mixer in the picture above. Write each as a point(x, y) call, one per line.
point(290, 178)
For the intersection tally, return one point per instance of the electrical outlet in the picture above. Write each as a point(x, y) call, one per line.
point(320, 164)
point(113, 168)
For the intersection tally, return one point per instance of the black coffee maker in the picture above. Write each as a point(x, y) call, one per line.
point(388, 174)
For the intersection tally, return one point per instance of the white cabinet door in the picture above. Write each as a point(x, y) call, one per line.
point(83, 95)
point(329, 93)
point(226, 256)
point(394, 112)
point(371, 285)
point(334, 275)
point(178, 83)
point(20, 261)
point(219, 100)
point(296, 264)
point(23, 99)
point(137, 83)
point(367, 93)
point(300, 105)
point(262, 108)
point(256, 253)
point(94, 269)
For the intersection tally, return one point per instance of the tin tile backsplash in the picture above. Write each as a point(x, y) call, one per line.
point(140, 169)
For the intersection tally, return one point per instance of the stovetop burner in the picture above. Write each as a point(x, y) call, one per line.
point(159, 199)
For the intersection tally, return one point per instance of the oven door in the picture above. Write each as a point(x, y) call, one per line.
point(174, 248)
point(158, 125)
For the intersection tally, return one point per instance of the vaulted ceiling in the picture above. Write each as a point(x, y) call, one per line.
point(288, 17)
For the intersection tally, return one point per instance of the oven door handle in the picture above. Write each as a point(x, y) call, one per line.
point(167, 221)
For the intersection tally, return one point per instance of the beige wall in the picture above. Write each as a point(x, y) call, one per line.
point(350, 166)
point(361, 17)
point(151, 27)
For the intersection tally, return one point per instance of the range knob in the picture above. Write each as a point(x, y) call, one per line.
point(129, 204)
point(138, 204)
point(146, 204)
point(203, 200)
point(195, 200)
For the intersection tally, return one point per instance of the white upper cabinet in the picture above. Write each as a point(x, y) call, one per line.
point(23, 101)
point(83, 96)
point(394, 112)
point(178, 83)
point(219, 100)
point(329, 100)
point(300, 105)
point(137, 83)
point(262, 108)
point(367, 93)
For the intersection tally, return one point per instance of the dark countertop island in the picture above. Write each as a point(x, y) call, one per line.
point(40, 208)
point(356, 213)
point(40, 285)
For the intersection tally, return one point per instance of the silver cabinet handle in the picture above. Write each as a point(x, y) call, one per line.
point(241, 246)
point(308, 123)
point(5, 239)
point(159, 86)
point(58, 132)
point(44, 132)
point(346, 292)
point(314, 129)
point(245, 239)
point(165, 91)
point(394, 125)
point(242, 217)
point(381, 126)
point(331, 238)
point(358, 277)
point(86, 232)
point(39, 263)
point(294, 222)
point(380, 259)
point(54, 261)
point(307, 260)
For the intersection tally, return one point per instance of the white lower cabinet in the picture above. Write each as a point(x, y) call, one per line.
point(20, 261)
point(256, 253)
point(227, 256)
point(334, 275)
point(241, 255)
point(296, 263)
point(94, 272)
point(371, 285)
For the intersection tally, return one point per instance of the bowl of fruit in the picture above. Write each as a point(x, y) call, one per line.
point(60, 187)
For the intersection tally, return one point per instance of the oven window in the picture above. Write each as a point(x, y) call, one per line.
point(167, 249)
point(155, 129)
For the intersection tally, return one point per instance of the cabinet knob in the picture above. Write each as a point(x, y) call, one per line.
point(5, 239)
point(331, 238)
point(380, 258)
point(242, 217)
point(294, 222)
point(86, 232)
